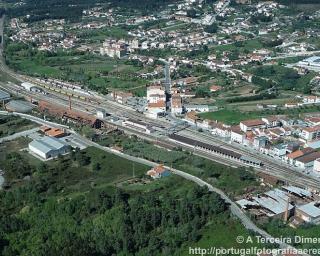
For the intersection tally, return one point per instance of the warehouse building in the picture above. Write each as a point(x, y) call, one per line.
point(48, 147)
point(4, 96)
point(309, 213)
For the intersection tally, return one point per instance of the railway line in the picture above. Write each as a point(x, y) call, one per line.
point(270, 167)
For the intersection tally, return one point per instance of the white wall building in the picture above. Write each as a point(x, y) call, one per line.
point(48, 147)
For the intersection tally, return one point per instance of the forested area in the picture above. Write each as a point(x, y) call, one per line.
point(36, 220)
point(72, 9)
point(282, 77)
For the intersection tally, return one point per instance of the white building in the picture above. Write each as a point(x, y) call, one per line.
point(237, 135)
point(309, 212)
point(316, 165)
point(197, 108)
point(48, 147)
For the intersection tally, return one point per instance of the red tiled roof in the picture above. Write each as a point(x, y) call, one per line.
point(253, 122)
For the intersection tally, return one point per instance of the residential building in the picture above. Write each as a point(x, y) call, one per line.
point(292, 157)
point(113, 48)
point(248, 125)
point(237, 135)
point(316, 165)
point(176, 104)
point(310, 133)
point(221, 129)
point(307, 161)
point(121, 97)
point(197, 108)
point(158, 172)
point(271, 121)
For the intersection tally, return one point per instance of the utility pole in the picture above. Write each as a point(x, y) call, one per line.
point(133, 174)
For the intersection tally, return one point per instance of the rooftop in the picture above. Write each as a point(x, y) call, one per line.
point(312, 209)
point(4, 95)
point(47, 144)
point(253, 122)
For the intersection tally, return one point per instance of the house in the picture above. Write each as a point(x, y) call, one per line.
point(237, 135)
point(311, 99)
point(158, 172)
point(310, 133)
point(221, 129)
point(271, 121)
point(48, 147)
point(307, 161)
point(309, 213)
point(291, 158)
point(215, 88)
point(248, 125)
point(279, 150)
point(176, 104)
point(121, 97)
point(313, 121)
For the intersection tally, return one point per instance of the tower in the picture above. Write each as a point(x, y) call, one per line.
point(167, 85)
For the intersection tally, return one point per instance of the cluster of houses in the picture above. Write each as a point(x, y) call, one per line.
point(293, 141)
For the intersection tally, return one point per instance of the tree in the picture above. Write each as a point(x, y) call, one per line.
point(213, 28)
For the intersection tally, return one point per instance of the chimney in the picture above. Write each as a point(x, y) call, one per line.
point(69, 102)
point(286, 213)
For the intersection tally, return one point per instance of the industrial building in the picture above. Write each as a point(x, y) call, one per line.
point(19, 106)
point(69, 115)
point(31, 87)
point(309, 213)
point(274, 203)
point(48, 147)
point(4, 96)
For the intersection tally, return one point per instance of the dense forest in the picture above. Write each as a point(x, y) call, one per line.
point(104, 222)
point(72, 9)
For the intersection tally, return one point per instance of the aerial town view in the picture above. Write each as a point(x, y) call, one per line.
point(159, 127)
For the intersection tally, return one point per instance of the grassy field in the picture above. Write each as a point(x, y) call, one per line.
point(230, 116)
point(253, 44)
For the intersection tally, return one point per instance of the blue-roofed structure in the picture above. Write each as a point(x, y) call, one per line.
point(4, 96)
point(48, 147)
point(309, 212)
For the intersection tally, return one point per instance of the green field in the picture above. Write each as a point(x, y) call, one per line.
point(227, 116)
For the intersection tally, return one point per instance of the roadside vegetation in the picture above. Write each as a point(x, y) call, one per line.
point(11, 124)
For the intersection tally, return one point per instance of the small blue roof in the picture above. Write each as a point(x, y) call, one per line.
point(4, 95)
